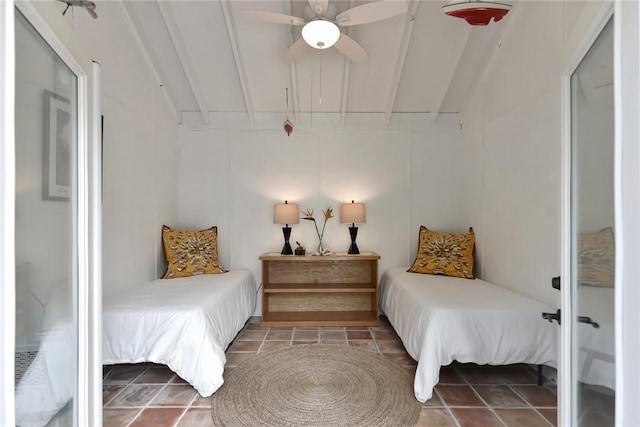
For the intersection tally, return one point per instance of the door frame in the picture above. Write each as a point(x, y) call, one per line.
point(88, 397)
point(627, 207)
point(589, 25)
point(595, 15)
point(7, 214)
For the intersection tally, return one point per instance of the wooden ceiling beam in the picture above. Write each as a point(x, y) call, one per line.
point(240, 70)
point(185, 60)
point(293, 72)
point(150, 56)
point(438, 99)
point(489, 57)
point(402, 56)
point(346, 77)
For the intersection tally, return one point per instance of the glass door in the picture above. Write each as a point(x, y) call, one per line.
point(592, 237)
point(46, 231)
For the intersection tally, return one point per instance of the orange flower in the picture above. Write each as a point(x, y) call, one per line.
point(327, 214)
point(308, 215)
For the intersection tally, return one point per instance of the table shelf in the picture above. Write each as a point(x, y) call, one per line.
point(335, 290)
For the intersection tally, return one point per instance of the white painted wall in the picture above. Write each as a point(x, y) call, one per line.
point(232, 178)
point(139, 146)
point(512, 144)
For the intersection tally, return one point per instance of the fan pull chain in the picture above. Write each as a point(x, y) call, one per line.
point(286, 91)
point(320, 95)
point(311, 103)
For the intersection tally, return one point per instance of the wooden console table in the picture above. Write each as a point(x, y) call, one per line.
point(333, 290)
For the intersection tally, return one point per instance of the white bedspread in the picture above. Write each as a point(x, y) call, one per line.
point(184, 323)
point(441, 319)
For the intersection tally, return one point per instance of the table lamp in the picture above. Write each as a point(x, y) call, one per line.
point(353, 213)
point(285, 213)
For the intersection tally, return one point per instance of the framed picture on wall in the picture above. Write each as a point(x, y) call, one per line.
point(58, 142)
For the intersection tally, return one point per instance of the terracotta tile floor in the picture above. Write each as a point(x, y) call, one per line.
point(467, 395)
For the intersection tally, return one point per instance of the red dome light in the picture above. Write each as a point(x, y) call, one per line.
point(477, 12)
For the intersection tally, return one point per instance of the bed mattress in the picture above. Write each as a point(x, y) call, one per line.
point(441, 319)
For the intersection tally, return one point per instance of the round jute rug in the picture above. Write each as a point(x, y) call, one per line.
point(316, 385)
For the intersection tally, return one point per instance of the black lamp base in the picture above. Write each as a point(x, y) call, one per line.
point(286, 249)
point(353, 249)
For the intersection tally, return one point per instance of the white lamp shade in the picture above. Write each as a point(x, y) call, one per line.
point(320, 34)
point(353, 213)
point(286, 213)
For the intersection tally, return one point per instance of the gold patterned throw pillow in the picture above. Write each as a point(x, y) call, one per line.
point(444, 253)
point(596, 260)
point(190, 253)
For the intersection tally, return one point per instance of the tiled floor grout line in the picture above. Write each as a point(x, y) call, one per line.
point(543, 417)
point(124, 386)
point(193, 399)
point(529, 403)
point(498, 417)
point(447, 407)
point(113, 397)
point(148, 403)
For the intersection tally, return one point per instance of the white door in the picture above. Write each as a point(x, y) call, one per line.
point(49, 232)
point(592, 241)
point(599, 374)
point(46, 231)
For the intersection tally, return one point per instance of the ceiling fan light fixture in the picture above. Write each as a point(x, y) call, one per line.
point(320, 33)
point(477, 12)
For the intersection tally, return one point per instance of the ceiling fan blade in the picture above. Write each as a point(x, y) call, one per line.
point(351, 49)
point(90, 7)
point(319, 6)
point(274, 18)
point(296, 50)
point(93, 13)
point(371, 12)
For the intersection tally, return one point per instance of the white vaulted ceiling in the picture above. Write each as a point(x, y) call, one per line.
point(210, 59)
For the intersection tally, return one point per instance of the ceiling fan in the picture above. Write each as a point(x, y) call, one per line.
point(87, 4)
point(321, 25)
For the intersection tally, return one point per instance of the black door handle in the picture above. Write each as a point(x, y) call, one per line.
point(555, 283)
point(558, 318)
point(587, 320)
point(552, 316)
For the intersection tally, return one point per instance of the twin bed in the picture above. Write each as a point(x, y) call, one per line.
point(441, 319)
point(184, 323)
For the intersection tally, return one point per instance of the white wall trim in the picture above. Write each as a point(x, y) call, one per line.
point(95, 253)
point(7, 214)
point(627, 209)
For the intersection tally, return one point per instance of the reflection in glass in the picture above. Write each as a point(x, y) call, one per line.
point(593, 236)
point(46, 142)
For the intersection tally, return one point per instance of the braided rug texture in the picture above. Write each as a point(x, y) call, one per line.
point(316, 385)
